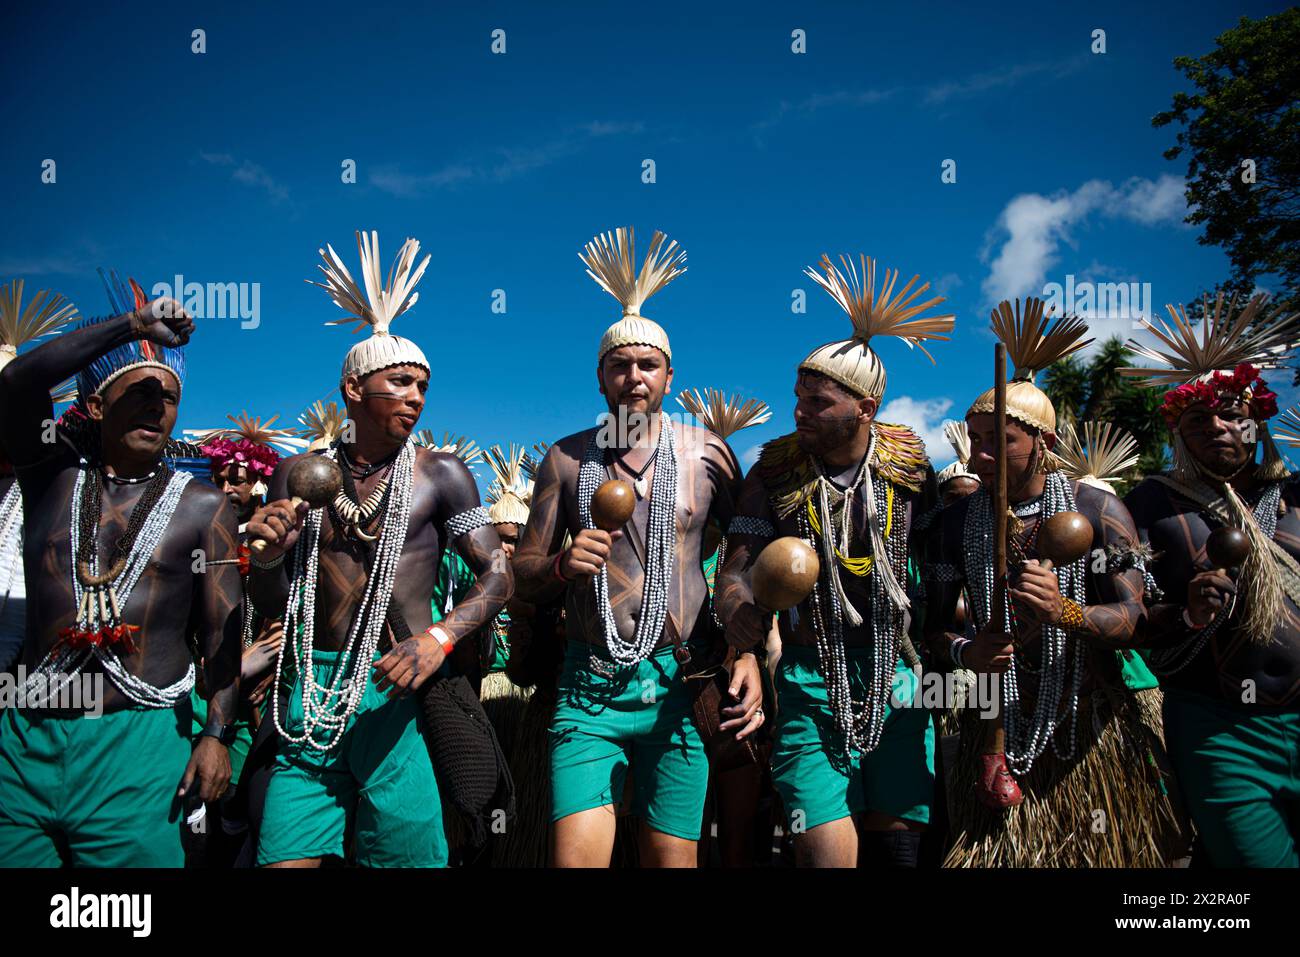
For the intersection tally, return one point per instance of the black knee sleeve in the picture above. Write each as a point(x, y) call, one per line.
point(890, 849)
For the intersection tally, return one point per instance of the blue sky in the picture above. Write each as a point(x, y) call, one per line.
point(226, 167)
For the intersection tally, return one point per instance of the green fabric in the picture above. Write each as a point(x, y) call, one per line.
point(1240, 774)
point(500, 642)
point(1133, 669)
point(379, 778)
point(243, 734)
point(818, 784)
point(454, 579)
point(711, 572)
point(642, 715)
point(103, 788)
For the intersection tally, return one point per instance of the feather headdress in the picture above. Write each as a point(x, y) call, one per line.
point(958, 437)
point(1219, 366)
point(510, 495)
point(251, 443)
point(124, 297)
point(1103, 454)
point(47, 313)
point(378, 306)
point(1227, 339)
point(724, 415)
point(533, 460)
point(1033, 343)
point(1288, 428)
point(852, 362)
point(251, 428)
point(610, 260)
point(321, 424)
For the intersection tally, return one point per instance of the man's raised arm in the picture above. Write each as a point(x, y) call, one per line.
point(25, 382)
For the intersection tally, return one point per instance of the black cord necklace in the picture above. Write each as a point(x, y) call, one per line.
point(638, 476)
point(364, 471)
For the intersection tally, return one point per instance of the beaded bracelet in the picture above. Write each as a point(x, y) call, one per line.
point(265, 566)
point(1071, 615)
point(555, 568)
point(1187, 620)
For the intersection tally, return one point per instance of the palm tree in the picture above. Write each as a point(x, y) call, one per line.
point(1095, 391)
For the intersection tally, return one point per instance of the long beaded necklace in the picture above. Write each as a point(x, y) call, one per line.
point(99, 600)
point(329, 708)
point(11, 524)
point(860, 723)
point(99, 630)
point(1062, 656)
point(661, 548)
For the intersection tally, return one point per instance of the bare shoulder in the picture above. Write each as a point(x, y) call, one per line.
point(1105, 510)
point(565, 455)
point(434, 464)
point(1097, 501)
point(699, 443)
point(202, 498)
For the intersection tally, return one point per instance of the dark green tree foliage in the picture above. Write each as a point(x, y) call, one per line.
point(1094, 390)
point(1246, 107)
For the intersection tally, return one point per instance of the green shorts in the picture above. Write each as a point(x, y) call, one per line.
point(1240, 773)
point(643, 716)
point(819, 783)
point(92, 792)
point(378, 780)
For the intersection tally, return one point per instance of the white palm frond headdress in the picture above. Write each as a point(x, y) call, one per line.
point(380, 303)
point(47, 313)
point(721, 414)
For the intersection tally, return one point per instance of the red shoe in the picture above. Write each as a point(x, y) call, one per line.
point(998, 788)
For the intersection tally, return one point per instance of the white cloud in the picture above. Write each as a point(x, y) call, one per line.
point(978, 83)
point(498, 165)
point(750, 458)
point(248, 173)
point(820, 101)
point(1032, 227)
point(924, 417)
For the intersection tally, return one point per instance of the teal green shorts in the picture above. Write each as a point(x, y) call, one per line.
point(642, 716)
point(1240, 774)
point(92, 792)
point(816, 781)
point(379, 780)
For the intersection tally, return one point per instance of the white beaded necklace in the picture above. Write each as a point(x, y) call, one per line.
point(11, 526)
point(860, 723)
point(329, 708)
point(1027, 737)
point(661, 547)
point(63, 663)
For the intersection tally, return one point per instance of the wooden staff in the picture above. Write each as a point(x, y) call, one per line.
point(995, 735)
